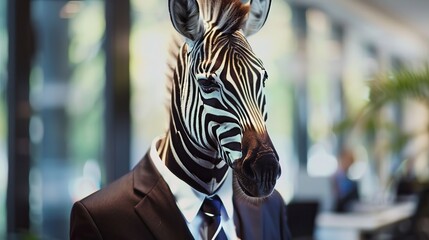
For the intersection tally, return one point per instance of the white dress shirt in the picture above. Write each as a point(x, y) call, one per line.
point(189, 200)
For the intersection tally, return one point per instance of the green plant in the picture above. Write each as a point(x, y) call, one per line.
point(394, 88)
point(405, 83)
point(370, 123)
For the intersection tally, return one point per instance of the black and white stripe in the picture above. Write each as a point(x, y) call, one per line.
point(217, 92)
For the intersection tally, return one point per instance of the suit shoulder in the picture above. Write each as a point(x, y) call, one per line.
point(117, 192)
point(82, 225)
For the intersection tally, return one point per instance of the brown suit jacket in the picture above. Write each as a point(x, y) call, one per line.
point(140, 206)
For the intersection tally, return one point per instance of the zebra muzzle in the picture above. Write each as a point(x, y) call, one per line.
point(257, 177)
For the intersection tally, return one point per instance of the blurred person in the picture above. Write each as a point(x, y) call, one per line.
point(345, 189)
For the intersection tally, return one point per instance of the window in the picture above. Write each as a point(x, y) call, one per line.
point(151, 34)
point(66, 93)
point(3, 117)
point(323, 96)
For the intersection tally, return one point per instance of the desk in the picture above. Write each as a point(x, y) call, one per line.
point(353, 226)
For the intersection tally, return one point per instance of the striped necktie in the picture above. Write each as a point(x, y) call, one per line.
point(212, 208)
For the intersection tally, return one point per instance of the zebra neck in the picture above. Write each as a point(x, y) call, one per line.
point(187, 162)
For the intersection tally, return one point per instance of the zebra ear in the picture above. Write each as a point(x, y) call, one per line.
point(259, 10)
point(185, 16)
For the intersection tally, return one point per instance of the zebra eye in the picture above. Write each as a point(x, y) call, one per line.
point(208, 85)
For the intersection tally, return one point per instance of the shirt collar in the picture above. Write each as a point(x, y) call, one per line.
point(187, 198)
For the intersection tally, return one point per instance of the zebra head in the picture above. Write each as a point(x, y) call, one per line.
point(218, 91)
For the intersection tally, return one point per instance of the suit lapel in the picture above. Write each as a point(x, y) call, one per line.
point(247, 219)
point(157, 208)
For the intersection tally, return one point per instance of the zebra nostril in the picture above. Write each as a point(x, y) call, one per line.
point(248, 170)
point(257, 176)
point(265, 168)
point(268, 167)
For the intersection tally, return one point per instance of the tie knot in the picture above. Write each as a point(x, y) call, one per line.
point(212, 206)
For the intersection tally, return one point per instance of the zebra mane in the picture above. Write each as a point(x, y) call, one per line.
point(173, 51)
point(227, 15)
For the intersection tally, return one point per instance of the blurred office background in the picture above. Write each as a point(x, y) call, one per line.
point(83, 93)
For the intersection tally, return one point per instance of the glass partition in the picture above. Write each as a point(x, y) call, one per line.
point(151, 35)
point(66, 128)
point(3, 117)
point(324, 104)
